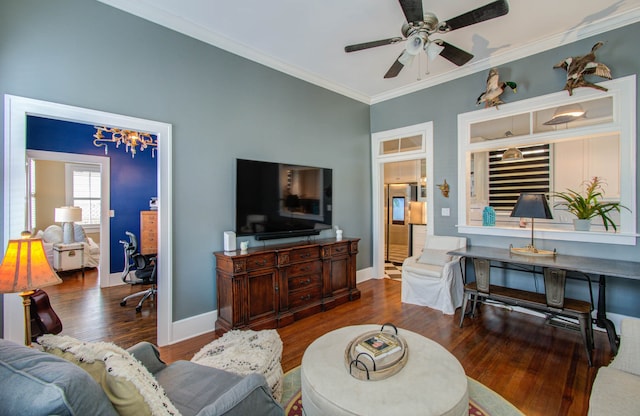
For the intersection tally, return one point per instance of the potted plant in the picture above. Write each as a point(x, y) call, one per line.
point(589, 206)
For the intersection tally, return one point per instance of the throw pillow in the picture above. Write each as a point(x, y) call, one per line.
point(78, 233)
point(128, 384)
point(435, 257)
point(53, 234)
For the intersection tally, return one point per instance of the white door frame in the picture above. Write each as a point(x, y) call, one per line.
point(16, 110)
point(425, 130)
point(105, 229)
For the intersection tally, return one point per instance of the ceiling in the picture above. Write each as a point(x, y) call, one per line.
point(306, 39)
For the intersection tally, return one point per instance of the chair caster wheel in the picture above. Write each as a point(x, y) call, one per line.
point(123, 303)
point(138, 308)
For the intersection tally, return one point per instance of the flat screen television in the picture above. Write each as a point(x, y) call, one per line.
point(280, 200)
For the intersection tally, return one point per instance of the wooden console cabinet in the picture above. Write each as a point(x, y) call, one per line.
point(273, 286)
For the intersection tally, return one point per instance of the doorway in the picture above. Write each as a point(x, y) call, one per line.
point(405, 208)
point(412, 143)
point(39, 220)
point(15, 193)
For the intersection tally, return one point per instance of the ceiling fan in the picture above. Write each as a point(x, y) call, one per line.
point(420, 26)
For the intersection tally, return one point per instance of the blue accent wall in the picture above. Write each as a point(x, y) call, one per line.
point(133, 180)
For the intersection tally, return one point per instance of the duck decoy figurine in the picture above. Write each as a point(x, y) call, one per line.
point(495, 88)
point(579, 66)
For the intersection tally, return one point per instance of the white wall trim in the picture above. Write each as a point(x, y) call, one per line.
point(193, 326)
point(105, 195)
point(377, 182)
point(15, 119)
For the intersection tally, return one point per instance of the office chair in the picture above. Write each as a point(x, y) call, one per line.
point(139, 269)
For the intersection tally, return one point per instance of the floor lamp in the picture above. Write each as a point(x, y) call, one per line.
point(24, 269)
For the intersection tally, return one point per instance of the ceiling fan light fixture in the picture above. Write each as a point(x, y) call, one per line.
point(433, 49)
point(414, 44)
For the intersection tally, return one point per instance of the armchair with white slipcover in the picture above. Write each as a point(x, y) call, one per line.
point(433, 278)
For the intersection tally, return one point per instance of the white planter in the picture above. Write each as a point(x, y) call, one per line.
point(582, 225)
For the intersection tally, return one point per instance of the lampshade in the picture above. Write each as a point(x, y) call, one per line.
point(25, 267)
point(512, 154)
point(433, 49)
point(68, 214)
point(532, 206)
point(566, 114)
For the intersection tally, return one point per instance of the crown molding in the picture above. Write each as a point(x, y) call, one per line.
point(151, 12)
point(550, 42)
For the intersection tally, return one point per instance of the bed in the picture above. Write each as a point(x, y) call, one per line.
point(53, 235)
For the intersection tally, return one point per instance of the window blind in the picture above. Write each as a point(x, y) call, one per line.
point(507, 180)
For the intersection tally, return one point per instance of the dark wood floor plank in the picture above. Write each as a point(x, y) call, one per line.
point(541, 369)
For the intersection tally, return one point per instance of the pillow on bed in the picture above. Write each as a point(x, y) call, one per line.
point(53, 234)
point(78, 233)
point(128, 384)
point(434, 257)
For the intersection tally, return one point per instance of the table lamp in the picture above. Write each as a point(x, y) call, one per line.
point(532, 206)
point(24, 269)
point(67, 216)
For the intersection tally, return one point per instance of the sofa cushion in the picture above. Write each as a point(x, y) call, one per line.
point(206, 391)
point(128, 384)
point(33, 382)
point(422, 269)
point(614, 392)
point(434, 256)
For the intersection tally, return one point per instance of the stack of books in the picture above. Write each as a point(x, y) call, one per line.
point(379, 346)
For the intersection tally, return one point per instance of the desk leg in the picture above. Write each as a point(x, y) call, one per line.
point(601, 317)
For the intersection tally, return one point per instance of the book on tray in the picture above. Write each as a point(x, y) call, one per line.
point(379, 345)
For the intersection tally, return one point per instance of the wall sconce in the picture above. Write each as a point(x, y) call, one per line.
point(444, 188)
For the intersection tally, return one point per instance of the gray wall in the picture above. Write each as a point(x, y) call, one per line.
point(535, 76)
point(221, 107)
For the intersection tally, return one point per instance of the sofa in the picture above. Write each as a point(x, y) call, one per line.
point(616, 386)
point(64, 376)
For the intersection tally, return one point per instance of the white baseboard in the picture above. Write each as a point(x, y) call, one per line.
point(193, 326)
point(364, 274)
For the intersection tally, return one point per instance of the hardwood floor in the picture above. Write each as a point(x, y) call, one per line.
point(541, 369)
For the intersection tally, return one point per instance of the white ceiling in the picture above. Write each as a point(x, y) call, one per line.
point(306, 39)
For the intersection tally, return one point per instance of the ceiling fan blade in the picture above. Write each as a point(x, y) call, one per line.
point(412, 10)
point(372, 44)
point(489, 11)
point(454, 54)
point(395, 68)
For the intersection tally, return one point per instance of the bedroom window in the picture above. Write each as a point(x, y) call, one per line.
point(83, 190)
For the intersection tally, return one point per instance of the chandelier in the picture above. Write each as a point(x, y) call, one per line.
point(130, 138)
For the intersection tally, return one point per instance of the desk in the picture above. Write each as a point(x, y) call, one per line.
point(587, 265)
point(432, 382)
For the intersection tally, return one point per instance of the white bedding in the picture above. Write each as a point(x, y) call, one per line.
point(53, 235)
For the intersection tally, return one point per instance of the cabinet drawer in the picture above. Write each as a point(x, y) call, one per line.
point(340, 249)
point(310, 253)
point(260, 261)
point(300, 282)
point(304, 268)
point(304, 296)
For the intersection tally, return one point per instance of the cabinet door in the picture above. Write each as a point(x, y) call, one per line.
point(262, 300)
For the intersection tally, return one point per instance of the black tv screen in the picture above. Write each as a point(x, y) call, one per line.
point(279, 200)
